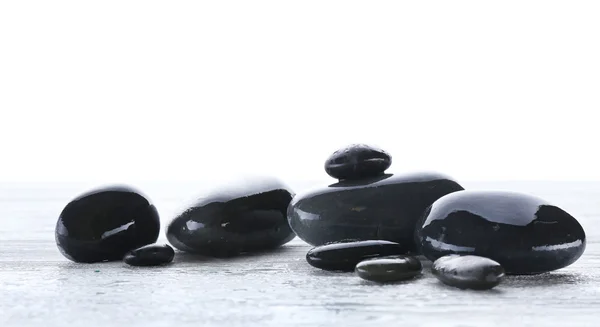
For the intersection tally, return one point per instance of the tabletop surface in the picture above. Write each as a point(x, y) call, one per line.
point(40, 287)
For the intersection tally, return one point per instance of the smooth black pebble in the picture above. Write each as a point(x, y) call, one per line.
point(468, 272)
point(104, 224)
point(345, 256)
point(246, 217)
point(386, 207)
point(389, 269)
point(526, 235)
point(357, 161)
point(150, 255)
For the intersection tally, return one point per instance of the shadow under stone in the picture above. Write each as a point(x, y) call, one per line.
point(396, 283)
point(496, 290)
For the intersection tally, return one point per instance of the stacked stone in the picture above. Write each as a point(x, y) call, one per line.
point(376, 224)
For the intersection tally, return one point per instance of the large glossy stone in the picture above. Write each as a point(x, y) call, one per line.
point(386, 207)
point(389, 269)
point(249, 216)
point(150, 255)
point(106, 223)
point(345, 256)
point(357, 161)
point(468, 272)
point(526, 235)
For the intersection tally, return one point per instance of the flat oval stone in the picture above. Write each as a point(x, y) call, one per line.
point(104, 224)
point(345, 256)
point(525, 234)
point(389, 269)
point(386, 207)
point(468, 272)
point(357, 161)
point(249, 216)
point(150, 255)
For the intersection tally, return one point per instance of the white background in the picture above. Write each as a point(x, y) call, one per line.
point(192, 90)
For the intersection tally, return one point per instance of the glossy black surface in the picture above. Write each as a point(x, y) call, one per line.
point(386, 207)
point(150, 255)
point(345, 256)
point(468, 272)
point(389, 269)
point(526, 235)
point(106, 223)
point(357, 161)
point(249, 216)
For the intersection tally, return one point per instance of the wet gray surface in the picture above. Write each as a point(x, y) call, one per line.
point(39, 287)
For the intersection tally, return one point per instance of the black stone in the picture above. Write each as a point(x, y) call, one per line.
point(389, 269)
point(150, 255)
point(468, 272)
point(106, 223)
point(247, 217)
point(386, 207)
point(526, 235)
point(357, 161)
point(345, 256)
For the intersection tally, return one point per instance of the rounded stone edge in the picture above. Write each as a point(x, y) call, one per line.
point(125, 188)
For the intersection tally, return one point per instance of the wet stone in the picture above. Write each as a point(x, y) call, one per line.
point(104, 224)
point(357, 161)
point(389, 269)
point(246, 217)
point(386, 207)
point(525, 234)
point(468, 272)
point(345, 256)
point(150, 255)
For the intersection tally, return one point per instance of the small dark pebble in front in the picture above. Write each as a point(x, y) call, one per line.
point(345, 256)
point(389, 269)
point(468, 272)
point(150, 255)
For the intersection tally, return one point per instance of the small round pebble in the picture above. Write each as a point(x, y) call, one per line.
point(357, 161)
point(389, 269)
point(345, 256)
point(150, 255)
point(468, 272)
